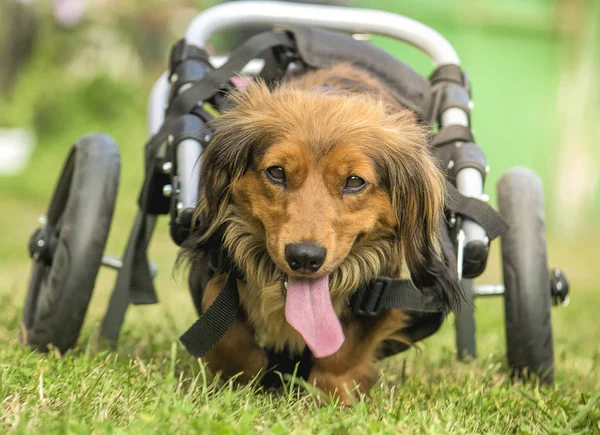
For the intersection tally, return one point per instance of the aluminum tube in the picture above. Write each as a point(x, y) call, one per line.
point(112, 262)
point(188, 170)
point(455, 116)
point(489, 290)
point(273, 13)
point(253, 68)
point(469, 181)
point(157, 102)
point(466, 343)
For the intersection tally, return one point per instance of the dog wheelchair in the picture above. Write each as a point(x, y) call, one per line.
point(68, 249)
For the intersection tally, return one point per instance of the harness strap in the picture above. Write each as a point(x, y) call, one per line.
point(448, 73)
point(134, 281)
point(206, 332)
point(370, 300)
point(473, 208)
point(210, 84)
point(452, 133)
point(383, 293)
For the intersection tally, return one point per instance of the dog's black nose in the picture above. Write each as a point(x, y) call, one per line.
point(305, 257)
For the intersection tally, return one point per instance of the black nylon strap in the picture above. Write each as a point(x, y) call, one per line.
point(206, 332)
point(473, 208)
point(452, 133)
point(383, 293)
point(403, 294)
point(447, 73)
point(141, 291)
point(212, 82)
point(134, 274)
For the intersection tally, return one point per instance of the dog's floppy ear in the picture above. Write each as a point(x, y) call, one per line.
point(225, 160)
point(227, 157)
point(417, 192)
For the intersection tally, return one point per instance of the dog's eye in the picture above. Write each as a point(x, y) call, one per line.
point(354, 184)
point(276, 174)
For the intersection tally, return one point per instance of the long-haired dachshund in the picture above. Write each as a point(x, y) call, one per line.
point(313, 188)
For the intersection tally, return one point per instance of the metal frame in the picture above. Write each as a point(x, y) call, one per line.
point(352, 20)
point(356, 20)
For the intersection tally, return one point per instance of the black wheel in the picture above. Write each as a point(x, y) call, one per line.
point(527, 296)
point(67, 251)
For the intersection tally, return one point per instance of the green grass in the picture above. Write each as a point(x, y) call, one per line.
point(150, 384)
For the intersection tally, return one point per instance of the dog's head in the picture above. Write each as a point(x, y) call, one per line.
point(322, 184)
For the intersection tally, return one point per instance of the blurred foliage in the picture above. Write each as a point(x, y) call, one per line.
point(100, 98)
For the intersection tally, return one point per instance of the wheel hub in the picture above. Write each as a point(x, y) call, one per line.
point(42, 244)
point(559, 287)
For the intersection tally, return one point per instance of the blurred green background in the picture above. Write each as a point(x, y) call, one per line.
point(534, 67)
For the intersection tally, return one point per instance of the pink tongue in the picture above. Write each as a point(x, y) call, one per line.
point(309, 310)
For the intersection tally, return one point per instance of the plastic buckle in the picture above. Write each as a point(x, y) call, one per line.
point(367, 300)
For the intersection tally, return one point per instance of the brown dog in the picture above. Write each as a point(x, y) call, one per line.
point(312, 189)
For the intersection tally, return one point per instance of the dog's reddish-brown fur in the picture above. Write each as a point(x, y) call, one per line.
point(321, 135)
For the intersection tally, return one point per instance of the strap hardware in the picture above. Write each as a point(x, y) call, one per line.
point(367, 300)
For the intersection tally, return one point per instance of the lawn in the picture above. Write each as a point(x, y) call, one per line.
point(150, 384)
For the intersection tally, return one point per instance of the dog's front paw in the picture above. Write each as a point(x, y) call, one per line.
point(346, 387)
point(245, 364)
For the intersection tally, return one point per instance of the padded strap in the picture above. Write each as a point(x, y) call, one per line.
point(206, 332)
point(320, 48)
point(383, 293)
point(448, 73)
point(473, 208)
point(452, 133)
point(141, 289)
